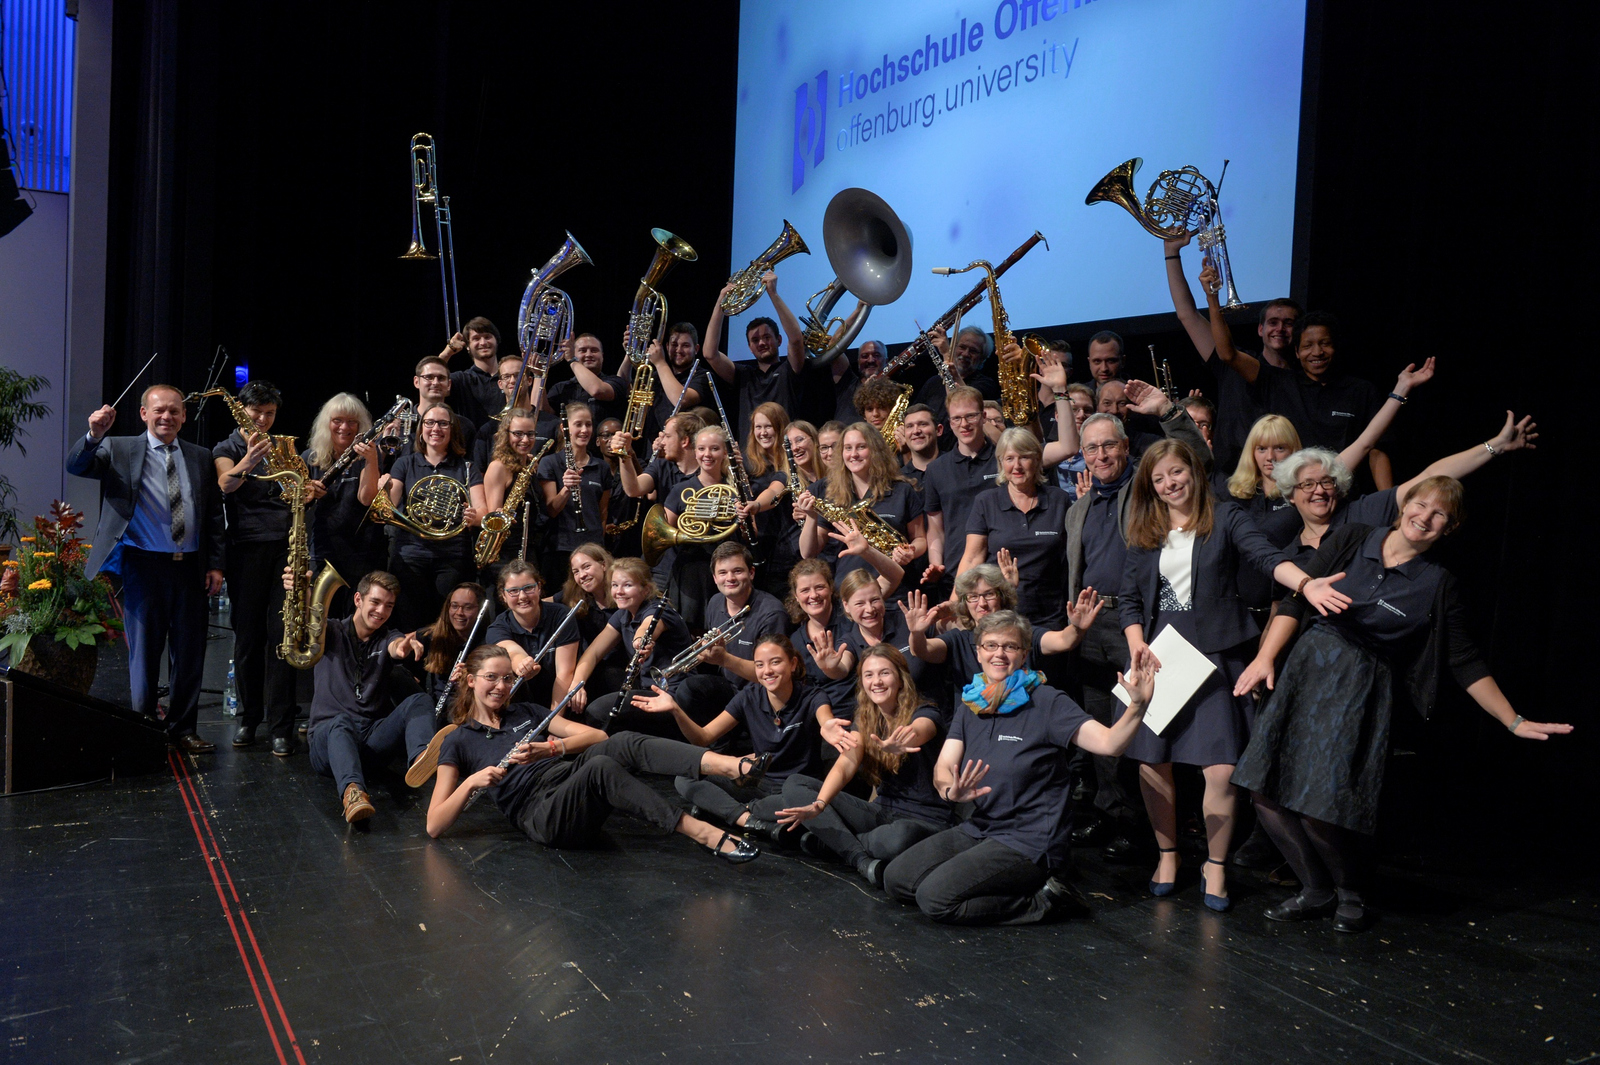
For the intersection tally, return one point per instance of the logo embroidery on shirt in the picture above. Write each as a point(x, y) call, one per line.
point(1009, 739)
point(1391, 609)
point(1047, 532)
point(1342, 413)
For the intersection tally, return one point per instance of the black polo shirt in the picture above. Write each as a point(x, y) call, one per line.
point(570, 391)
point(349, 677)
point(337, 527)
point(1028, 807)
point(766, 615)
point(949, 486)
point(898, 509)
point(1328, 413)
point(838, 694)
point(667, 477)
point(256, 510)
point(661, 406)
point(844, 396)
point(1238, 409)
point(598, 479)
point(671, 641)
point(1283, 527)
point(1389, 606)
point(475, 395)
point(910, 791)
point(755, 386)
point(410, 468)
point(476, 746)
point(507, 627)
point(1104, 549)
point(792, 735)
point(1037, 540)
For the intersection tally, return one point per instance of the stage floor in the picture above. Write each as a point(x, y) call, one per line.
point(224, 912)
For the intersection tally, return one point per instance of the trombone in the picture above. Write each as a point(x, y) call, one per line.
point(425, 193)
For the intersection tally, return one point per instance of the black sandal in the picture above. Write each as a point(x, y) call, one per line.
point(750, 777)
point(742, 853)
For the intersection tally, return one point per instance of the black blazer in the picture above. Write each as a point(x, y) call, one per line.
point(117, 462)
point(1445, 645)
point(1221, 616)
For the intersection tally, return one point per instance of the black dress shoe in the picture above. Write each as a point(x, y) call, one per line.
point(1352, 914)
point(871, 870)
point(1300, 908)
point(189, 743)
point(1093, 834)
point(1062, 899)
point(283, 746)
point(1124, 849)
point(244, 735)
point(752, 768)
point(755, 826)
point(744, 852)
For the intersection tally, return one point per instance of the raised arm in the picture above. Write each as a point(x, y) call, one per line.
point(791, 324)
point(1053, 374)
point(709, 351)
point(1198, 328)
point(1409, 378)
point(1246, 366)
point(1513, 436)
point(1114, 739)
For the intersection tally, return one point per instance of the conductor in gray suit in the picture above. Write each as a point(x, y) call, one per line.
point(161, 528)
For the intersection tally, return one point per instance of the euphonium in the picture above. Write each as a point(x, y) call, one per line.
point(1019, 399)
point(544, 318)
point(497, 523)
point(280, 458)
point(747, 282)
point(435, 508)
point(1180, 203)
point(305, 604)
point(710, 515)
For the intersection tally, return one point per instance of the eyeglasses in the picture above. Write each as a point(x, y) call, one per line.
point(435, 378)
point(524, 434)
point(1327, 483)
point(507, 378)
point(990, 647)
point(983, 597)
point(1095, 449)
point(428, 423)
point(522, 589)
point(962, 419)
point(496, 679)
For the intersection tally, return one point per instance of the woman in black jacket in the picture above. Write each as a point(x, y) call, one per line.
point(1315, 760)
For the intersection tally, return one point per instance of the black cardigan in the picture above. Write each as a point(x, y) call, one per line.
point(1445, 646)
point(1222, 617)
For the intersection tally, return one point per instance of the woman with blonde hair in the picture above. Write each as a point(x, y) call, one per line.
point(768, 470)
point(513, 451)
point(337, 531)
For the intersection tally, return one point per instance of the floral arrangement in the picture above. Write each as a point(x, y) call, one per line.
point(50, 595)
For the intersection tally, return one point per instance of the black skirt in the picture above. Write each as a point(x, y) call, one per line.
point(1321, 741)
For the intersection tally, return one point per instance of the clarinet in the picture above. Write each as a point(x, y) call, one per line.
point(741, 479)
point(575, 496)
point(450, 684)
point(395, 413)
point(630, 681)
point(529, 738)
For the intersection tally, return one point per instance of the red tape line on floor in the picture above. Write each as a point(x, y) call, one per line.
point(214, 861)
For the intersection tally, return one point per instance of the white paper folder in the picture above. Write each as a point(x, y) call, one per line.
point(1183, 670)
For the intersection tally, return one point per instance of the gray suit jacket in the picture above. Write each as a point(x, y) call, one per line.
point(1179, 427)
point(117, 462)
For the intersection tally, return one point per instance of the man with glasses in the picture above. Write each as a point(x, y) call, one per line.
point(527, 624)
point(953, 480)
point(432, 380)
point(1097, 547)
point(353, 713)
point(509, 373)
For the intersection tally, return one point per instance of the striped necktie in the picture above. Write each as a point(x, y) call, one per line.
point(175, 495)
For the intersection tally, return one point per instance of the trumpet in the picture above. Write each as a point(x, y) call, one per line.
point(869, 249)
point(691, 654)
point(1163, 375)
point(747, 282)
point(544, 318)
point(425, 193)
point(1180, 203)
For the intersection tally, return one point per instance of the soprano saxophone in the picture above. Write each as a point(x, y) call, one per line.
point(305, 603)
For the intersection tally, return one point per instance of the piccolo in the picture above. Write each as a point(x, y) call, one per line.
point(572, 615)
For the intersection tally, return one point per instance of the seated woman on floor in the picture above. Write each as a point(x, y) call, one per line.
point(894, 745)
point(559, 791)
point(1012, 730)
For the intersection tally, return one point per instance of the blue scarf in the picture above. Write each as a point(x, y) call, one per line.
point(985, 698)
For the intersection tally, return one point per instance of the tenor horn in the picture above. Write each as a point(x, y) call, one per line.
point(869, 249)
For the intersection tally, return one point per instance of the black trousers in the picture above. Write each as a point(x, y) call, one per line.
point(853, 828)
point(956, 879)
point(575, 798)
point(725, 800)
point(265, 681)
point(616, 713)
point(425, 583)
point(164, 607)
point(1103, 652)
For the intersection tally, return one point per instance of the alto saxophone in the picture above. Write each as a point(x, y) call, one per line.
point(1019, 398)
point(280, 457)
point(878, 533)
point(305, 603)
point(497, 523)
point(896, 418)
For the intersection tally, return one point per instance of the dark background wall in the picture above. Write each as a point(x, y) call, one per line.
point(260, 203)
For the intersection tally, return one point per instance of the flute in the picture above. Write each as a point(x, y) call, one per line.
point(450, 682)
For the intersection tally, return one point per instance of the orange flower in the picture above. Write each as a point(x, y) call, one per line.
point(26, 539)
point(44, 554)
point(41, 585)
point(12, 563)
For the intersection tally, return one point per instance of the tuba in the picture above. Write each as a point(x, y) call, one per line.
point(1019, 399)
point(280, 458)
point(1180, 203)
point(647, 322)
point(869, 249)
point(435, 508)
point(544, 318)
point(710, 516)
point(425, 193)
point(747, 282)
point(305, 605)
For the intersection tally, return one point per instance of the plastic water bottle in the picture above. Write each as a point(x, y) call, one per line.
point(230, 694)
point(225, 607)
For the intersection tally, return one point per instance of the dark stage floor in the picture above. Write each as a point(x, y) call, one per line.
point(224, 912)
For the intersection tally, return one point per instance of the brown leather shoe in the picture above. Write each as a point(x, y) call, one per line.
point(189, 743)
point(428, 760)
point(357, 807)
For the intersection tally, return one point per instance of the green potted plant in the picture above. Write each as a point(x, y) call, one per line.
point(17, 408)
point(54, 619)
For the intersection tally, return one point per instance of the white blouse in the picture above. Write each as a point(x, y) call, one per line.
point(1177, 580)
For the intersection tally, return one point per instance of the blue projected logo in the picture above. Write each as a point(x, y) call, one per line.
point(810, 127)
point(241, 374)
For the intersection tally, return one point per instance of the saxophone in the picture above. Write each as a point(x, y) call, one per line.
point(897, 417)
point(497, 523)
point(305, 604)
point(879, 533)
point(281, 457)
point(1019, 399)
